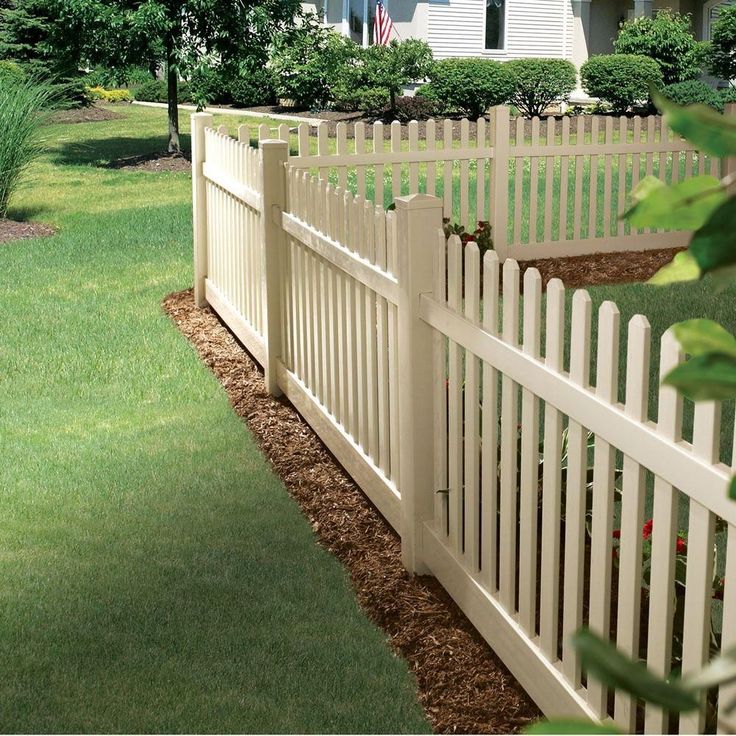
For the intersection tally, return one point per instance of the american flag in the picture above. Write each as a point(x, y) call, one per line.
point(383, 25)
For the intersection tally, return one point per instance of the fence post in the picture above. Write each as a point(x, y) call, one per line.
point(274, 155)
point(419, 218)
point(500, 132)
point(200, 121)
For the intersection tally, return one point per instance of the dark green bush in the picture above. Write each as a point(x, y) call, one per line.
point(728, 95)
point(156, 91)
point(131, 76)
point(667, 38)
point(369, 100)
point(621, 80)
point(694, 92)
point(251, 83)
point(414, 108)
point(722, 61)
point(470, 86)
point(540, 82)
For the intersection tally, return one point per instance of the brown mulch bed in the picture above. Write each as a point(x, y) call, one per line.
point(91, 114)
point(154, 162)
point(12, 230)
point(463, 686)
point(602, 268)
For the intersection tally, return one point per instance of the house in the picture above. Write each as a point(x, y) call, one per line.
point(509, 29)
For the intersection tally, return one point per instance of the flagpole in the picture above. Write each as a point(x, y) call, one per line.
point(365, 23)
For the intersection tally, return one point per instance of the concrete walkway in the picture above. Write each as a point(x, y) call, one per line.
point(240, 113)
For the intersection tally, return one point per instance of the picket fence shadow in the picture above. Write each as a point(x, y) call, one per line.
point(505, 470)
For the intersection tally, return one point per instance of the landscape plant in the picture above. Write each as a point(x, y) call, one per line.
point(666, 37)
point(694, 92)
point(621, 80)
point(24, 107)
point(471, 86)
point(540, 82)
point(722, 62)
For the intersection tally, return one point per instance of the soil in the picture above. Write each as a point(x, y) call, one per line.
point(602, 268)
point(154, 162)
point(91, 114)
point(463, 686)
point(12, 230)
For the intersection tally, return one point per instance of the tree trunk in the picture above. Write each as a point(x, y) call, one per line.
point(172, 82)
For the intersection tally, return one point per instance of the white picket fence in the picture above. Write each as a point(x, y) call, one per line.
point(504, 469)
point(548, 189)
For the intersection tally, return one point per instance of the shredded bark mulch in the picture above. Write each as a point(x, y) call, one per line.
point(157, 162)
point(12, 230)
point(602, 268)
point(91, 114)
point(463, 686)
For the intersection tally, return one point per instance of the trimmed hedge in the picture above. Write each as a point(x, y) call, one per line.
point(621, 80)
point(156, 91)
point(694, 92)
point(109, 95)
point(470, 86)
point(540, 82)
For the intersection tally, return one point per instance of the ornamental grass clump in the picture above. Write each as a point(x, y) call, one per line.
point(24, 108)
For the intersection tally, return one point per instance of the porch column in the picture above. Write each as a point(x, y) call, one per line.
point(643, 8)
point(366, 37)
point(580, 31)
point(346, 18)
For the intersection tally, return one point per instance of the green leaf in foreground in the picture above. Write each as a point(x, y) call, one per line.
point(686, 205)
point(708, 130)
point(718, 671)
point(700, 336)
point(706, 377)
point(714, 244)
point(683, 267)
point(565, 726)
point(604, 662)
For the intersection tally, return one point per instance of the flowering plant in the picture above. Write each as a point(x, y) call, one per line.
point(481, 235)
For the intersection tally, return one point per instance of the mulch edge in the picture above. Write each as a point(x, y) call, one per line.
point(462, 685)
point(12, 231)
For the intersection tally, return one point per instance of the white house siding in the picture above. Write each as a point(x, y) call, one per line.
point(533, 28)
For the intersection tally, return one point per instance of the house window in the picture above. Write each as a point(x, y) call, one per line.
point(495, 24)
point(711, 11)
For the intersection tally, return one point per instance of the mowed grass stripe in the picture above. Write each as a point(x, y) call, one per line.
point(156, 575)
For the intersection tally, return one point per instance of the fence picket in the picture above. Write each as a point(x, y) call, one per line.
point(509, 447)
point(549, 170)
point(471, 496)
point(431, 141)
point(564, 175)
point(699, 577)
point(447, 167)
point(380, 169)
point(465, 177)
point(534, 185)
point(489, 465)
point(576, 489)
point(552, 478)
point(664, 539)
point(384, 429)
point(480, 173)
point(360, 148)
point(529, 466)
point(413, 130)
point(632, 514)
point(604, 483)
point(396, 167)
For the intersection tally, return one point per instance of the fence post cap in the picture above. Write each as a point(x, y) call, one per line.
point(273, 143)
point(417, 202)
point(201, 115)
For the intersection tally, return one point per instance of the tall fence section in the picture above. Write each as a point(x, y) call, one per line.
point(465, 408)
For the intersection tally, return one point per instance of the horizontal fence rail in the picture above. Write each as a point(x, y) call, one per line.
point(540, 495)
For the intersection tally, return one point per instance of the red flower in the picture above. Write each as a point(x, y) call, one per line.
point(681, 546)
point(646, 531)
point(482, 224)
point(617, 534)
point(465, 238)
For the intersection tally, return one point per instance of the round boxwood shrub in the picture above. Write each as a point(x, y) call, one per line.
point(540, 82)
point(621, 80)
point(694, 92)
point(667, 38)
point(471, 86)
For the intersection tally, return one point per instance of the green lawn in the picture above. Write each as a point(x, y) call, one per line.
point(156, 575)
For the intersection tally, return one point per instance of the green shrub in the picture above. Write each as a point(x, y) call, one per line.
point(728, 95)
point(11, 72)
point(108, 78)
point(382, 72)
point(109, 95)
point(251, 83)
point(694, 92)
point(668, 39)
point(307, 61)
point(722, 62)
point(24, 107)
point(621, 80)
point(540, 82)
point(471, 86)
point(413, 108)
point(207, 85)
point(156, 91)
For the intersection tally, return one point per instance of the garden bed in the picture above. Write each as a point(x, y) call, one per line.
point(11, 230)
point(463, 686)
point(156, 162)
point(91, 114)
